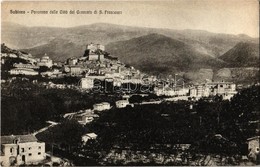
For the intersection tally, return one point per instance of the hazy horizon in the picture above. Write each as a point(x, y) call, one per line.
point(217, 16)
point(128, 26)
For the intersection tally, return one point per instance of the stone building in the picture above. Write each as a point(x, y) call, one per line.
point(21, 150)
point(253, 148)
point(122, 103)
point(45, 61)
point(101, 106)
point(93, 47)
point(75, 70)
point(72, 61)
point(88, 136)
point(23, 71)
point(87, 83)
point(94, 52)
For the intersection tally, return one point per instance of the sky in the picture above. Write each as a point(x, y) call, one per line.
point(219, 16)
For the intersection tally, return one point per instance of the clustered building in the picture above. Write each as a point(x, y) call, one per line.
point(97, 65)
point(30, 65)
point(224, 89)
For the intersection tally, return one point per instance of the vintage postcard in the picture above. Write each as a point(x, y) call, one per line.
point(127, 83)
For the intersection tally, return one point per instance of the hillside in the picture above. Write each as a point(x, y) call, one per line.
point(245, 75)
point(160, 54)
point(244, 54)
point(152, 50)
point(213, 44)
point(24, 37)
point(18, 36)
point(58, 49)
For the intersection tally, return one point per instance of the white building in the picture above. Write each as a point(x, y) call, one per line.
point(27, 57)
point(28, 66)
point(122, 103)
point(159, 91)
point(113, 75)
point(87, 83)
point(93, 56)
point(72, 61)
point(95, 51)
point(88, 136)
point(93, 47)
point(225, 89)
point(253, 148)
point(23, 71)
point(75, 70)
point(193, 92)
point(8, 55)
point(21, 149)
point(45, 61)
point(171, 91)
point(86, 117)
point(54, 72)
point(200, 90)
point(101, 106)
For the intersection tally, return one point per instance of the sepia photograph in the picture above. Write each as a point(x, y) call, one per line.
point(130, 83)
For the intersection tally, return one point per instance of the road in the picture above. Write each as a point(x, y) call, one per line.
point(45, 128)
point(165, 99)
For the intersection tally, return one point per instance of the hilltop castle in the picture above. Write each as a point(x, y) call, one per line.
point(95, 52)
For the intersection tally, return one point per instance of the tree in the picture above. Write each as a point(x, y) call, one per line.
point(135, 99)
point(67, 134)
point(43, 69)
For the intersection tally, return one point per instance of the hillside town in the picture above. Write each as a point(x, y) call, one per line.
point(97, 65)
point(97, 72)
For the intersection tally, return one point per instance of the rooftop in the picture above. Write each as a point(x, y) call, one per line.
point(101, 104)
point(92, 135)
point(24, 69)
point(21, 138)
point(122, 101)
point(254, 138)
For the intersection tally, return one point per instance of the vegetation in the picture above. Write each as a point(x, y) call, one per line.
point(25, 107)
point(212, 126)
point(67, 134)
point(9, 62)
point(243, 54)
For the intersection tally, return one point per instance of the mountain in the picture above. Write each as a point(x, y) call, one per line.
point(24, 37)
point(19, 36)
point(160, 54)
point(244, 54)
point(152, 50)
point(58, 49)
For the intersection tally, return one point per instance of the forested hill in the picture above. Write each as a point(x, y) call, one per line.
point(244, 54)
point(152, 50)
point(161, 54)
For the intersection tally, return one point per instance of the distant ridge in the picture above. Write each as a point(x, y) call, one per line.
point(244, 54)
point(161, 54)
point(152, 50)
point(13, 34)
